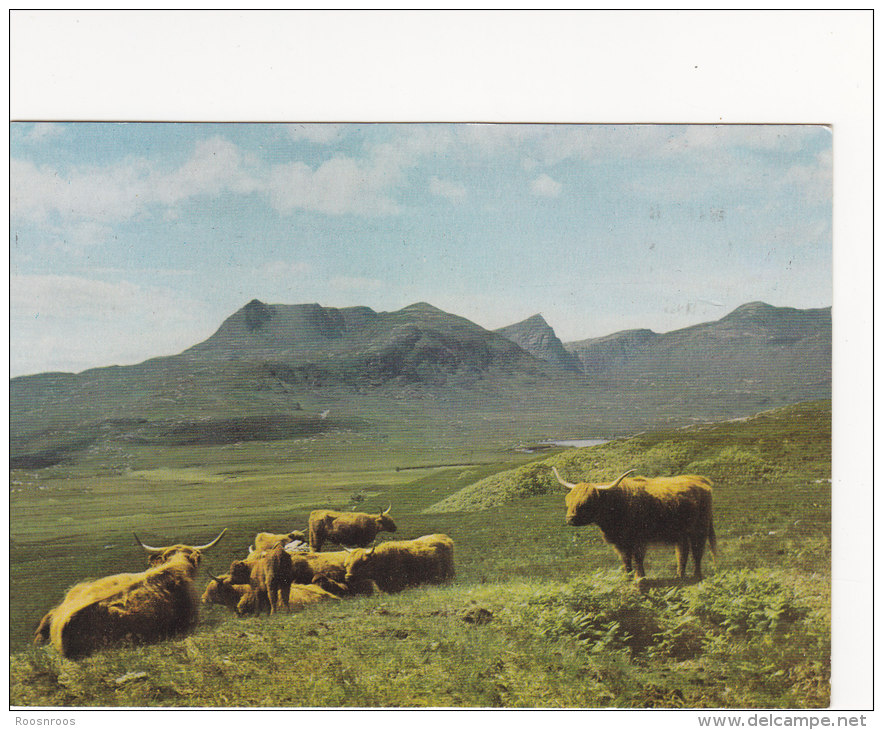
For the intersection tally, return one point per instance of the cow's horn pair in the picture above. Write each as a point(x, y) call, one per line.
point(155, 550)
point(614, 483)
point(368, 551)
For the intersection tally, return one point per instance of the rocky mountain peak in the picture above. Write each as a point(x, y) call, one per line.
point(536, 337)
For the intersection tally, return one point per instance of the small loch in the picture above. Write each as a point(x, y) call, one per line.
point(569, 443)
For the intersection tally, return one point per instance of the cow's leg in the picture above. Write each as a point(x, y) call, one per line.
point(625, 555)
point(639, 552)
point(262, 603)
point(682, 550)
point(697, 544)
point(285, 591)
point(314, 539)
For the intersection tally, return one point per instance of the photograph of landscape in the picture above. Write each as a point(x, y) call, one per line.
point(219, 329)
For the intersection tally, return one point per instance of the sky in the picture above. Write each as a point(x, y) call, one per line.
point(134, 240)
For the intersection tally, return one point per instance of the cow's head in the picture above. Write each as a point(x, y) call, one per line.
point(220, 590)
point(240, 570)
point(328, 584)
point(358, 564)
point(384, 521)
point(583, 499)
point(190, 553)
point(301, 569)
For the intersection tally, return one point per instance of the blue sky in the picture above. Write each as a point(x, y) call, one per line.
point(135, 240)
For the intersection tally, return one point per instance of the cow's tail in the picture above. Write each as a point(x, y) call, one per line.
point(712, 542)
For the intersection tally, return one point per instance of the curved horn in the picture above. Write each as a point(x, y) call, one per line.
point(563, 483)
point(348, 549)
point(386, 511)
point(214, 577)
point(618, 479)
point(212, 543)
point(149, 548)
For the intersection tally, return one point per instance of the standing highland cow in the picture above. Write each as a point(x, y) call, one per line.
point(269, 573)
point(352, 529)
point(636, 512)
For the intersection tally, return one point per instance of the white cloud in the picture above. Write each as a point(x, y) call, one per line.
point(121, 191)
point(278, 270)
point(106, 194)
point(66, 296)
point(355, 283)
point(316, 133)
point(42, 131)
point(802, 233)
point(66, 322)
point(216, 166)
point(339, 186)
point(447, 189)
point(814, 181)
point(529, 164)
point(545, 186)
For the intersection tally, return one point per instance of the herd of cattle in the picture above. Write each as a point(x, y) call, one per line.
point(289, 570)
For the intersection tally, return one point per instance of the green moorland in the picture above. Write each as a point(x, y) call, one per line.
point(539, 615)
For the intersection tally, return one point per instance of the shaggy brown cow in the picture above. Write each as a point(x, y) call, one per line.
point(267, 540)
point(395, 565)
point(242, 598)
point(302, 596)
point(159, 555)
point(353, 529)
point(269, 573)
point(141, 607)
point(636, 512)
point(246, 600)
point(328, 570)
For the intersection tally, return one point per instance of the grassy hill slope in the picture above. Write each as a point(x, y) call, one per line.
point(757, 451)
point(539, 614)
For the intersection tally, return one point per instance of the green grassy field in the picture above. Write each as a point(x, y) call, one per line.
point(539, 615)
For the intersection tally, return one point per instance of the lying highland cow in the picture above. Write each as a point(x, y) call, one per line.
point(246, 600)
point(242, 598)
point(395, 565)
point(156, 604)
point(636, 512)
point(268, 540)
point(328, 570)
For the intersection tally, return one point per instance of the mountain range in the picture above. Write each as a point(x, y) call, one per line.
point(413, 343)
point(249, 377)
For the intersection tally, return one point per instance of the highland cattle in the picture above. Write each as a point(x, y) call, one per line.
point(268, 572)
point(352, 529)
point(395, 565)
point(145, 607)
point(634, 512)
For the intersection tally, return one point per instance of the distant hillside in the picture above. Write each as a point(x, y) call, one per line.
point(619, 348)
point(745, 452)
point(271, 370)
point(755, 343)
point(536, 337)
point(414, 343)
